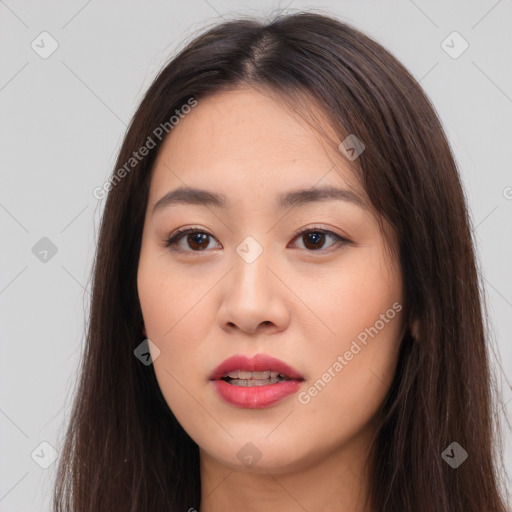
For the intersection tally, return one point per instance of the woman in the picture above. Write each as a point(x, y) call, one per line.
point(286, 307)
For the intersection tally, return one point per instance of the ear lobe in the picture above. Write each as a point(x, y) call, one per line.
point(415, 328)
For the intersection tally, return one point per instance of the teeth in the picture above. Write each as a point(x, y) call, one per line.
point(254, 382)
point(244, 375)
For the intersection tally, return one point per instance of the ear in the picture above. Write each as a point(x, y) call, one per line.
point(415, 325)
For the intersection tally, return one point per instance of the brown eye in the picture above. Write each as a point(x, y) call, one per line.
point(189, 240)
point(314, 239)
point(195, 240)
point(198, 241)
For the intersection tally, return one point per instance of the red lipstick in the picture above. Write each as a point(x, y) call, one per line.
point(255, 382)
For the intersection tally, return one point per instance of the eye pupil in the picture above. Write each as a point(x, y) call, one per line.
point(316, 238)
point(197, 240)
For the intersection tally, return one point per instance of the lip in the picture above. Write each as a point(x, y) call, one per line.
point(255, 397)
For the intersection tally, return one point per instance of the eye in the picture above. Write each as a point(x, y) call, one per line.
point(197, 240)
point(315, 238)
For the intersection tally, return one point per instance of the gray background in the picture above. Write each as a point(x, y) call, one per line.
point(63, 119)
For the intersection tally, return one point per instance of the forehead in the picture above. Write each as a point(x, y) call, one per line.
point(245, 139)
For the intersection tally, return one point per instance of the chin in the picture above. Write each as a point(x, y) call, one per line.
point(259, 455)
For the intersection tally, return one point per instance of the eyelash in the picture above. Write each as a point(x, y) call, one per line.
point(180, 233)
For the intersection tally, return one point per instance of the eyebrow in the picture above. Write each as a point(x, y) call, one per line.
point(196, 196)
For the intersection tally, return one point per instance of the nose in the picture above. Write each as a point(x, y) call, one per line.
point(253, 298)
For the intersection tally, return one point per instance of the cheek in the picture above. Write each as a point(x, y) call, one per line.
point(350, 379)
point(177, 320)
point(171, 300)
point(350, 297)
point(345, 404)
point(353, 363)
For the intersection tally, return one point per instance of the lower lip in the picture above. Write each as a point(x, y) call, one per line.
point(255, 397)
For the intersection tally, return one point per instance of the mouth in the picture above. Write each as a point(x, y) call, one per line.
point(256, 382)
point(249, 379)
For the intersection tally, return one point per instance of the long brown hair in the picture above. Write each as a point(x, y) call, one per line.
point(125, 451)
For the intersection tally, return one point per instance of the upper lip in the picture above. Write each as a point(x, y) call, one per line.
point(256, 363)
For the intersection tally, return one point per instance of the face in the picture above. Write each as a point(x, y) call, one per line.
point(300, 286)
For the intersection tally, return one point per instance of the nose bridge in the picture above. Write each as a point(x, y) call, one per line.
point(250, 278)
point(252, 295)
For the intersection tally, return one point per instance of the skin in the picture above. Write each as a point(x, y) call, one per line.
point(295, 303)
